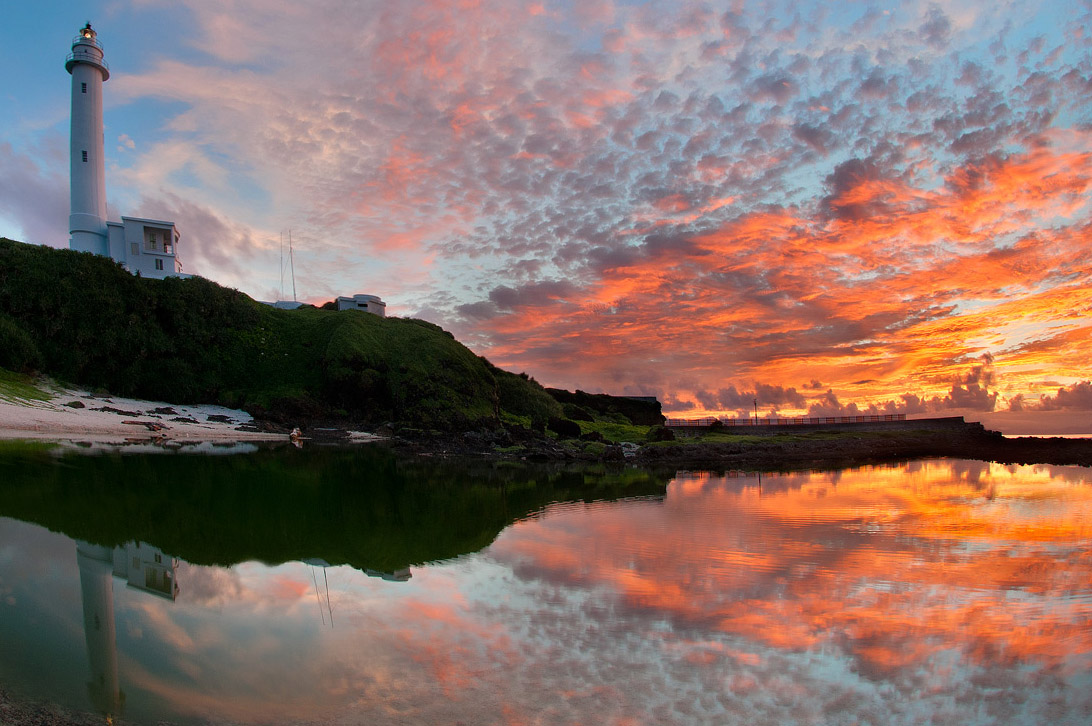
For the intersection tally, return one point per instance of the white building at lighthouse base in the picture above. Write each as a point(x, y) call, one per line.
point(147, 247)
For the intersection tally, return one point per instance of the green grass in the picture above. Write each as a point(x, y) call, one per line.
point(12, 448)
point(18, 385)
point(594, 448)
point(508, 449)
point(511, 419)
point(616, 432)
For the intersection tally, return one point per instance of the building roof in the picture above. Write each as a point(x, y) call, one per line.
point(142, 220)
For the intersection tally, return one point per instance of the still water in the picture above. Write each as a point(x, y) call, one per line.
point(359, 587)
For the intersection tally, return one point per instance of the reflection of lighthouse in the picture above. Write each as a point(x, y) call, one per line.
point(96, 570)
point(145, 568)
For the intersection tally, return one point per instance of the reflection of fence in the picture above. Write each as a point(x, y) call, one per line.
point(799, 421)
point(688, 475)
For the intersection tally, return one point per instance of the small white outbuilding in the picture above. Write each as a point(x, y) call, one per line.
point(366, 303)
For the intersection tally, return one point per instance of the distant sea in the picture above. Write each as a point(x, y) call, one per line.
point(1048, 436)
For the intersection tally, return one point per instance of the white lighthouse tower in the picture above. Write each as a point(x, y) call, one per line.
point(148, 247)
point(87, 220)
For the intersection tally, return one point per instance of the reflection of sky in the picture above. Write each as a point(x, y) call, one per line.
point(957, 592)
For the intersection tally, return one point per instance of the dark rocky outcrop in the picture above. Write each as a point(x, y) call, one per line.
point(640, 411)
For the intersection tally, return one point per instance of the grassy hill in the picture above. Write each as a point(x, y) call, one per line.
point(83, 319)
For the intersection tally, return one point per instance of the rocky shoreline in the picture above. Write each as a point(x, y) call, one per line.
point(80, 416)
point(768, 453)
point(35, 713)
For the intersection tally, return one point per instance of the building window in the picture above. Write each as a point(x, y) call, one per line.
point(167, 246)
point(84, 156)
point(158, 266)
point(151, 242)
point(135, 248)
point(83, 88)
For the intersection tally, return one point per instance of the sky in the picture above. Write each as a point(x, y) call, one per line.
point(827, 208)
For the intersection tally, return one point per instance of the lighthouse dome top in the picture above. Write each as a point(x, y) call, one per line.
point(87, 49)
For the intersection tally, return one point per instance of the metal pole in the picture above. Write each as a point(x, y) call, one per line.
point(292, 262)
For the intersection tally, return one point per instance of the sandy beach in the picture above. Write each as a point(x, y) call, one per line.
point(78, 415)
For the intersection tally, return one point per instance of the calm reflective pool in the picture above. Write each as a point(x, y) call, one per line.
point(397, 591)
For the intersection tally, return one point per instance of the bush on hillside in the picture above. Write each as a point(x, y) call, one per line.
point(522, 395)
point(17, 351)
point(564, 428)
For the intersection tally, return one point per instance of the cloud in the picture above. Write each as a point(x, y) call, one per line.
point(772, 87)
point(1075, 397)
point(543, 292)
point(208, 242)
point(935, 28)
point(767, 396)
point(35, 197)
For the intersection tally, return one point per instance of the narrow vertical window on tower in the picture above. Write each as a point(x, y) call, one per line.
point(83, 87)
point(84, 156)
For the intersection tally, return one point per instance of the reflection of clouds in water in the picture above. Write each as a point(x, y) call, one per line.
point(908, 579)
point(208, 586)
point(224, 649)
point(880, 595)
point(41, 624)
point(941, 592)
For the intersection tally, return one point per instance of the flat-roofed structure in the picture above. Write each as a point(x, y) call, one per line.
point(365, 303)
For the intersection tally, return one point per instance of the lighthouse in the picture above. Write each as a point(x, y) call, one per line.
point(148, 247)
point(87, 220)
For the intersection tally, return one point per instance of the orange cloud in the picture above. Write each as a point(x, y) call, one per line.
point(894, 565)
point(906, 297)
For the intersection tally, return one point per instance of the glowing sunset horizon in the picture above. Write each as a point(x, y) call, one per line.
point(829, 210)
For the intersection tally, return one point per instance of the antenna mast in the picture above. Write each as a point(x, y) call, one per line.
point(280, 290)
point(292, 262)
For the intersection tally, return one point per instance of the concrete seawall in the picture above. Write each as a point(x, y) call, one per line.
point(949, 423)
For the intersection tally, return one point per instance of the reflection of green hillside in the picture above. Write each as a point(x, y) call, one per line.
point(365, 507)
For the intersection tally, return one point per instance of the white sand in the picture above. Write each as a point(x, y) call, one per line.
point(138, 420)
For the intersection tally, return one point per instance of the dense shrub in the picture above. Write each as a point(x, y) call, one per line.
point(17, 351)
point(660, 433)
point(577, 413)
point(523, 396)
point(564, 428)
point(619, 409)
